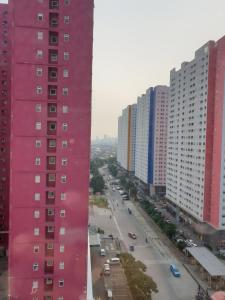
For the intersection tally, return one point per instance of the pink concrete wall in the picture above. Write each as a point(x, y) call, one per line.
point(23, 136)
point(217, 133)
point(5, 55)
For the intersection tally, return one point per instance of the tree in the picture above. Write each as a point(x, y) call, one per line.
point(141, 285)
point(97, 183)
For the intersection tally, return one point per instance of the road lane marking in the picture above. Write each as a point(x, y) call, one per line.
point(121, 235)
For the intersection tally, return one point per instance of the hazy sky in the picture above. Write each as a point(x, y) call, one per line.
point(138, 42)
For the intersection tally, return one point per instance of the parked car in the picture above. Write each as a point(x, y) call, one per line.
point(102, 252)
point(132, 235)
point(109, 294)
point(175, 271)
point(114, 261)
point(129, 211)
point(106, 269)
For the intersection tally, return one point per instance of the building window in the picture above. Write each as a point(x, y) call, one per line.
point(35, 267)
point(62, 231)
point(62, 213)
point(50, 246)
point(61, 265)
point(50, 263)
point(54, 3)
point(52, 143)
point(51, 177)
point(39, 71)
point(65, 91)
point(52, 160)
point(65, 109)
point(35, 284)
point(36, 231)
point(38, 90)
point(40, 17)
point(40, 35)
point(39, 54)
point(37, 161)
point(60, 298)
point(38, 107)
point(37, 196)
point(66, 37)
point(37, 143)
point(67, 2)
point(65, 126)
point(52, 126)
point(63, 179)
point(53, 91)
point(50, 229)
point(37, 179)
point(50, 212)
point(36, 249)
point(51, 195)
point(61, 282)
point(38, 125)
point(65, 73)
point(64, 161)
point(61, 248)
point(64, 144)
point(52, 108)
point(66, 56)
point(63, 196)
point(36, 214)
point(66, 19)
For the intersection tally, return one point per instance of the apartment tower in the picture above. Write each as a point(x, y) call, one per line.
point(127, 137)
point(50, 142)
point(151, 138)
point(196, 136)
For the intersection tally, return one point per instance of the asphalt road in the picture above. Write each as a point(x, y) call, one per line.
point(154, 254)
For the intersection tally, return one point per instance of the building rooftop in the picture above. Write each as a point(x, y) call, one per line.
point(207, 260)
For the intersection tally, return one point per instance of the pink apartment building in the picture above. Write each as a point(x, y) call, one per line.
point(196, 136)
point(4, 126)
point(51, 71)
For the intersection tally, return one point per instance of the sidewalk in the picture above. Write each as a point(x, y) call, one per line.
point(161, 234)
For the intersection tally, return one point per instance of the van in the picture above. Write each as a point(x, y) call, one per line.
point(102, 252)
point(114, 261)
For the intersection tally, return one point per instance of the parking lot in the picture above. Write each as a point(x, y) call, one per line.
point(116, 280)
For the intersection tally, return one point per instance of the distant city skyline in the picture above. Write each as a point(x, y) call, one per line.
point(136, 45)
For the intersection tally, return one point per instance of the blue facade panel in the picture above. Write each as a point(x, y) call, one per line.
point(151, 137)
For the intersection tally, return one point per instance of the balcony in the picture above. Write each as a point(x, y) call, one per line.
point(51, 128)
point(49, 266)
point(53, 20)
point(50, 180)
point(49, 232)
point(49, 249)
point(51, 163)
point(52, 110)
point(53, 4)
point(53, 38)
point(51, 145)
point(50, 197)
point(53, 56)
point(48, 284)
point(47, 298)
point(52, 92)
point(52, 74)
point(49, 215)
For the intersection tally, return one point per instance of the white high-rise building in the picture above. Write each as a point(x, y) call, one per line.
point(127, 137)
